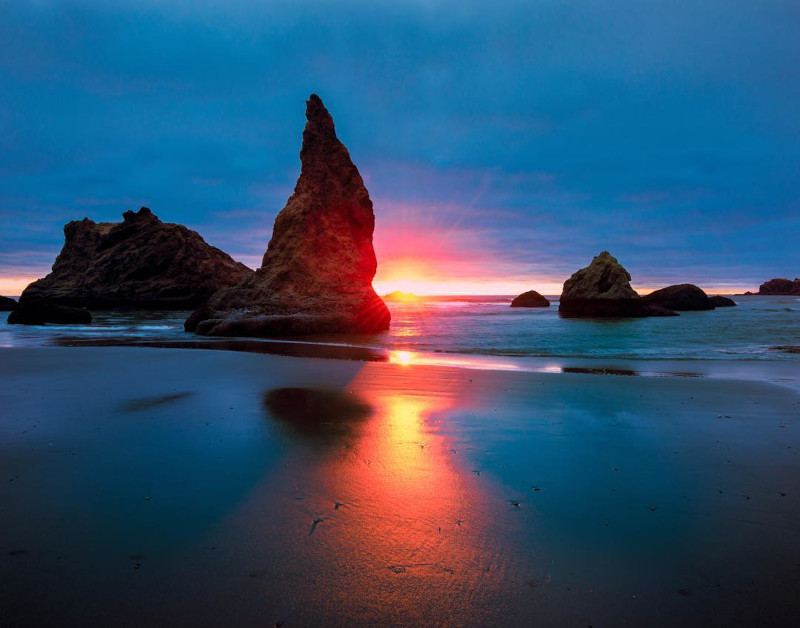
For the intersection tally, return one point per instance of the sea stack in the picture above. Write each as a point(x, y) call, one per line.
point(681, 297)
point(603, 290)
point(7, 304)
point(780, 287)
point(717, 300)
point(531, 298)
point(140, 262)
point(316, 276)
point(35, 311)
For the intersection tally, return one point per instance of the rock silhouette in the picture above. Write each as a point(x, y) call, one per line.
point(7, 304)
point(680, 297)
point(531, 298)
point(35, 311)
point(139, 262)
point(316, 275)
point(717, 300)
point(780, 287)
point(603, 290)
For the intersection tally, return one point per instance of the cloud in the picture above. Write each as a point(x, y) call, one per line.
point(518, 142)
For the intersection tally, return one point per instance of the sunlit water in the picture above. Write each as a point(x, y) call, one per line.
point(487, 326)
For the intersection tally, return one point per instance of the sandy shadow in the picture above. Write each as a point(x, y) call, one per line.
point(145, 403)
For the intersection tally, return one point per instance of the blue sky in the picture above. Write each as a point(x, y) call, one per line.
point(503, 147)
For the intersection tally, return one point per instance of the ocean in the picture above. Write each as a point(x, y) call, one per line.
point(485, 327)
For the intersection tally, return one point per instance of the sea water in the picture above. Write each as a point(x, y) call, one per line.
point(487, 326)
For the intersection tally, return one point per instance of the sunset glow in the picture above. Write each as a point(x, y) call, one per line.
point(427, 276)
point(13, 286)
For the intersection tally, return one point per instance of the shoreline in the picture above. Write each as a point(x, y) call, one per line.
point(783, 372)
point(182, 487)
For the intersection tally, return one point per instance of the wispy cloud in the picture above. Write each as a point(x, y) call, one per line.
point(512, 143)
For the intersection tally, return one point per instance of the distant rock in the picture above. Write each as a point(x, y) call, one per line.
point(316, 276)
point(7, 304)
point(35, 311)
point(780, 287)
point(717, 300)
point(139, 262)
point(680, 297)
point(399, 295)
point(531, 298)
point(786, 348)
point(603, 290)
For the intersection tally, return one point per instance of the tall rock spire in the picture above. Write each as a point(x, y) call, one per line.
point(316, 275)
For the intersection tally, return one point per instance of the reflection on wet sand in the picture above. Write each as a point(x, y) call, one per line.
point(317, 413)
point(397, 529)
point(324, 493)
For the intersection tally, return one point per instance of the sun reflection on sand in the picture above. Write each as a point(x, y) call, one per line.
point(386, 516)
point(401, 357)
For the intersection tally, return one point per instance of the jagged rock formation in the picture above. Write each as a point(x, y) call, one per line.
point(603, 290)
point(139, 262)
point(37, 311)
point(717, 300)
point(7, 304)
point(316, 276)
point(680, 297)
point(782, 287)
point(531, 298)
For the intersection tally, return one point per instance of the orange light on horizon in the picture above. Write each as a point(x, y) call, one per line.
point(407, 279)
point(14, 285)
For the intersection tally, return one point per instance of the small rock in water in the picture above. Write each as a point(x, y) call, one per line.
point(531, 298)
point(603, 290)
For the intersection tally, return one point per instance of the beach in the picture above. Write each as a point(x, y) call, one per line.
point(158, 486)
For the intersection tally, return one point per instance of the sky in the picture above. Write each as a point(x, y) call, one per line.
point(503, 144)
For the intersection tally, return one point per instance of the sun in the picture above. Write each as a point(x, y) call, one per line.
point(399, 295)
point(405, 280)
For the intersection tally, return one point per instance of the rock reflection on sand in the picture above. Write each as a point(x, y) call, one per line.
point(315, 412)
point(397, 531)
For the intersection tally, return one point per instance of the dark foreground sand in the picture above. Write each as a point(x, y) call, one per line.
point(169, 487)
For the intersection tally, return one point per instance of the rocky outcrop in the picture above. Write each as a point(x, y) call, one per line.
point(780, 287)
point(139, 262)
point(717, 300)
point(7, 304)
point(603, 290)
point(531, 298)
point(681, 297)
point(35, 311)
point(786, 348)
point(316, 276)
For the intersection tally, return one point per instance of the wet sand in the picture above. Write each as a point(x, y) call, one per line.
point(162, 487)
